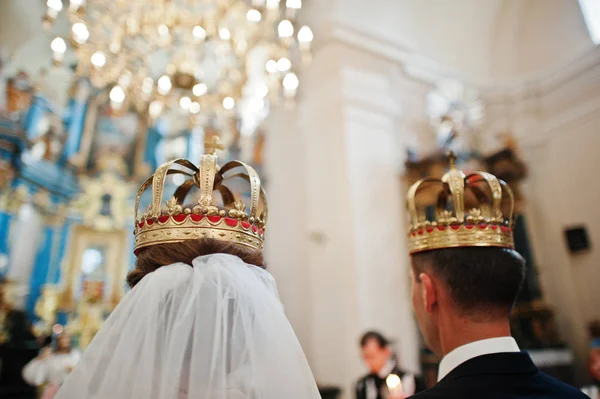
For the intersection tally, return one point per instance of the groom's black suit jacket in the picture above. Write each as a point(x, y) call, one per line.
point(500, 376)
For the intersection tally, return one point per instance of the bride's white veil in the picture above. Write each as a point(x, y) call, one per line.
point(214, 330)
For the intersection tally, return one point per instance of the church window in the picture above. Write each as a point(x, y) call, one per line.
point(591, 14)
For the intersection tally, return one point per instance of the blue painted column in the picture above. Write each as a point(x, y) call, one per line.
point(5, 219)
point(40, 268)
point(46, 269)
point(155, 134)
point(75, 119)
point(74, 127)
point(38, 108)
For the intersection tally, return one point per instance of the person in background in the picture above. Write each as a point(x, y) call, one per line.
point(379, 358)
point(17, 346)
point(52, 366)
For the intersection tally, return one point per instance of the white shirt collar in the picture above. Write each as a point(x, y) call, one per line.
point(473, 349)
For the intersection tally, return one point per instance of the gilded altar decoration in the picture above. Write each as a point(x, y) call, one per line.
point(183, 218)
point(469, 210)
point(18, 93)
point(7, 173)
point(104, 202)
point(45, 308)
point(94, 255)
point(89, 314)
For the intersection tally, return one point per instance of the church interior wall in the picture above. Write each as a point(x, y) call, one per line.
point(334, 163)
point(552, 99)
point(560, 197)
point(522, 44)
point(554, 120)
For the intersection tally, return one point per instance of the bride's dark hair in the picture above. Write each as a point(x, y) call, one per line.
point(151, 258)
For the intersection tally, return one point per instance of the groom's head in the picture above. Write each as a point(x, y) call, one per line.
point(469, 284)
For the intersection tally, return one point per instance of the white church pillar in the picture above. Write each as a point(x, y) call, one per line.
point(336, 235)
point(287, 238)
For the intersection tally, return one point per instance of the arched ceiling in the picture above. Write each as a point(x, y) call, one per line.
point(480, 40)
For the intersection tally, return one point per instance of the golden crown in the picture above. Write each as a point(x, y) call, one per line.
point(177, 220)
point(439, 216)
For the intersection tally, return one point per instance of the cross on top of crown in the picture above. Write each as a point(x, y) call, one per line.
point(452, 159)
point(212, 145)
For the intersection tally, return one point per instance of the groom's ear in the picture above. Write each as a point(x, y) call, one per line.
point(429, 291)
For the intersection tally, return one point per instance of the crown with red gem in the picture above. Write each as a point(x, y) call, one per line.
point(474, 210)
point(203, 216)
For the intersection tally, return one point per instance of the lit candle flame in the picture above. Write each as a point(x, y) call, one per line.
point(394, 383)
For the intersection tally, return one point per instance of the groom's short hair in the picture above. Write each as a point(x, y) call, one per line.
point(483, 282)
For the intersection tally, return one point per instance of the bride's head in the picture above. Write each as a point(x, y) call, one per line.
point(151, 258)
point(213, 210)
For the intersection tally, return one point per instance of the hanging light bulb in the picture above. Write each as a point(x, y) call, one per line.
point(185, 102)
point(284, 64)
point(199, 32)
point(228, 103)
point(272, 4)
point(305, 35)
point(294, 4)
point(163, 30)
point(271, 66)
point(194, 107)
point(147, 85)
point(285, 28)
point(253, 15)
point(98, 59)
point(58, 47)
point(200, 89)
point(80, 32)
point(224, 34)
point(117, 94)
point(164, 37)
point(290, 82)
point(54, 6)
point(164, 85)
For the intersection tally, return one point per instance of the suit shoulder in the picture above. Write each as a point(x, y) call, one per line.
point(563, 390)
point(495, 388)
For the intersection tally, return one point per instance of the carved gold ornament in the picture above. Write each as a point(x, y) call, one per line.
point(184, 217)
point(487, 222)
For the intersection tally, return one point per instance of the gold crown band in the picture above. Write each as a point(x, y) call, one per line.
point(454, 226)
point(170, 229)
point(177, 220)
point(460, 236)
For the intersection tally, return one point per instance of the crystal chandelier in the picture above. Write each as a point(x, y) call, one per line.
point(214, 60)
